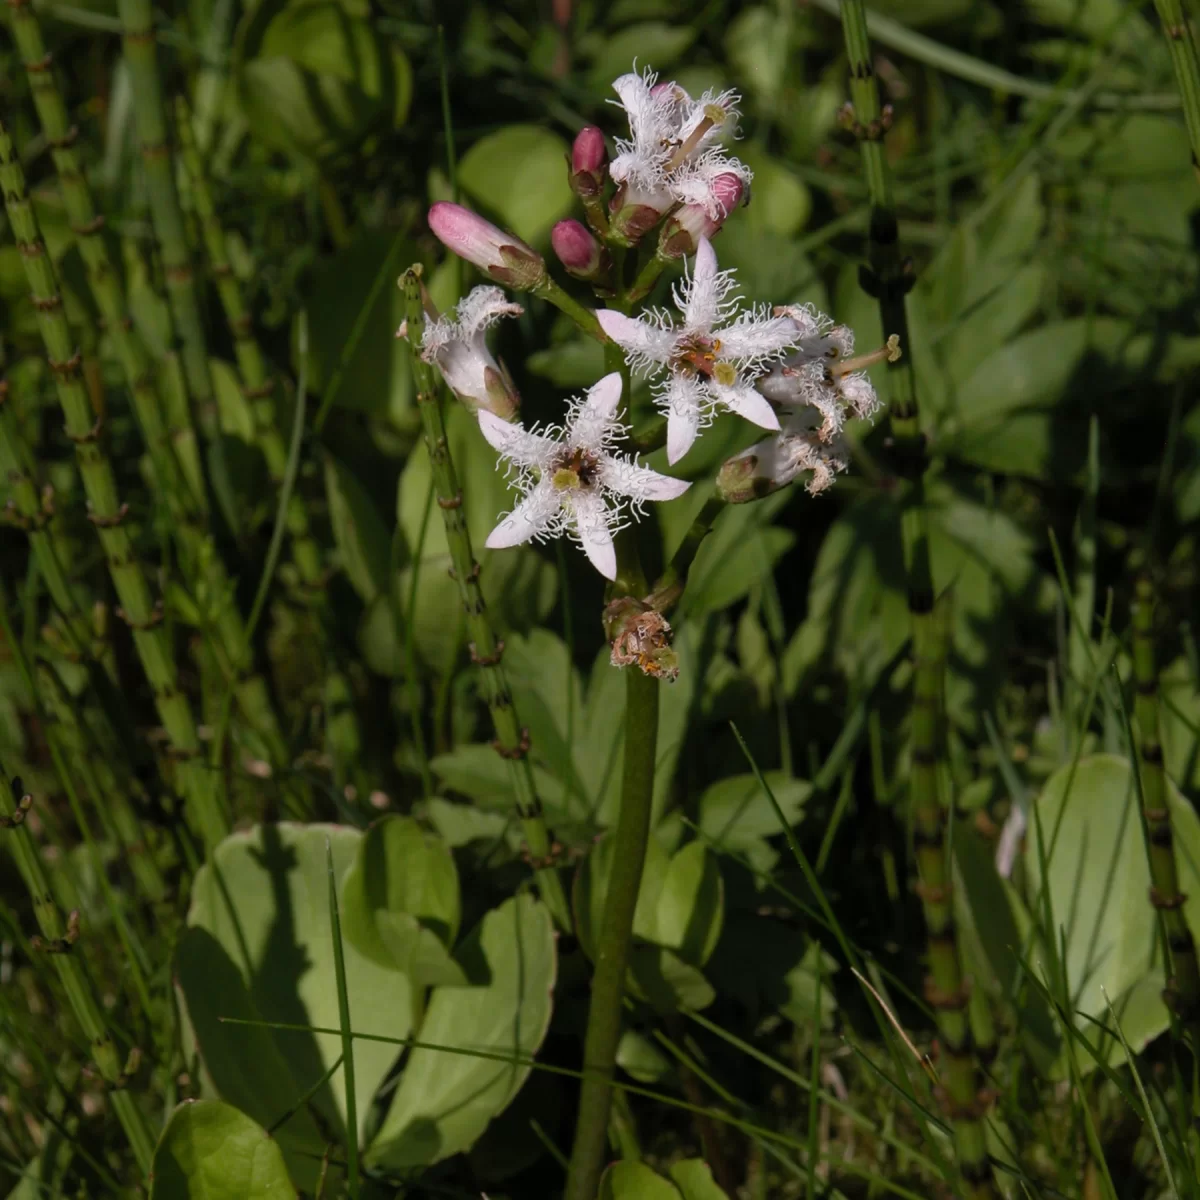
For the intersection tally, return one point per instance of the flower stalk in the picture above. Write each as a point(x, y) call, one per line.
point(1182, 992)
point(631, 836)
point(106, 512)
point(888, 278)
point(512, 742)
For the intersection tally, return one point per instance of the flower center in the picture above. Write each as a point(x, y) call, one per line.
point(725, 374)
point(697, 355)
point(577, 469)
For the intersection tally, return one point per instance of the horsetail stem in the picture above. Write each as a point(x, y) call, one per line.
point(486, 648)
point(888, 278)
point(188, 502)
point(179, 443)
point(1183, 970)
point(58, 938)
point(1186, 62)
point(106, 511)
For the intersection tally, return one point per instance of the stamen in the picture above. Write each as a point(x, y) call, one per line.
point(890, 353)
point(714, 116)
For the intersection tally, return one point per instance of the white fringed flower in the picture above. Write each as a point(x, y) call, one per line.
point(573, 481)
point(822, 374)
point(674, 152)
point(457, 345)
point(712, 358)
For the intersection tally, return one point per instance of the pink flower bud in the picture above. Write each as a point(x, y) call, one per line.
point(501, 255)
point(682, 233)
point(578, 251)
point(589, 154)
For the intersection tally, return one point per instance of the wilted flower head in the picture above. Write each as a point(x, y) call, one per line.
point(673, 154)
point(574, 482)
point(501, 255)
point(457, 345)
point(710, 359)
point(641, 637)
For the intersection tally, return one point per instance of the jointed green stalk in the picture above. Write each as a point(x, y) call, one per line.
point(166, 214)
point(187, 499)
point(36, 521)
point(486, 649)
point(1183, 975)
point(105, 282)
point(888, 279)
point(59, 939)
point(1187, 67)
point(106, 512)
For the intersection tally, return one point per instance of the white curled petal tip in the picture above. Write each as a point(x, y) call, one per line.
point(682, 428)
point(748, 403)
point(498, 432)
point(603, 398)
point(625, 331)
point(591, 524)
point(641, 483)
point(526, 521)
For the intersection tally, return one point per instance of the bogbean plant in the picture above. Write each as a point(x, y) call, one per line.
point(338, 1013)
point(658, 202)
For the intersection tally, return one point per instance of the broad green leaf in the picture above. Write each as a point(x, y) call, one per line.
point(590, 890)
point(694, 1179)
point(635, 1181)
point(814, 971)
point(1098, 886)
point(734, 812)
point(446, 1098)
point(314, 78)
point(573, 364)
point(640, 1057)
point(460, 824)
point(259, 947)
point(742, 549)
point(756, 43)
point(211, 1151)
point(1179, 715)
point(519, 175)
point(691, 905)
point(363, 543)
point(659, 42)
point(400, 902)
point(782, 203)
point(478, 772)
point(376, 377)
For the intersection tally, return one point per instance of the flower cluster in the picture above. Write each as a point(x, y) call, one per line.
point(786, 369)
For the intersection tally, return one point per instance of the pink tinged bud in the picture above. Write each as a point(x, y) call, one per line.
point(589, 163)
point(589, 152)
point(578, 251)
point(682, 233)
point(501, 255)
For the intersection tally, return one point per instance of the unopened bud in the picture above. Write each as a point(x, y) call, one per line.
point(579, 251)
point(747, 476)
point(682, 232)
point(502, 256)
point(589, 162)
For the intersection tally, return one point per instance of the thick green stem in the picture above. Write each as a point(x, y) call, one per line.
point(616, 934)
point(1183, 976)
point(888, 278)
point(486, 649)
point(106, 512)
point(1187, 67)
point(620, 901)
point(59, 941)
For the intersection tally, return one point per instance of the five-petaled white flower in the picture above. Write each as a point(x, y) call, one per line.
point(712, 358)
point(458, 345)
point(674, 151)
point(574, 482)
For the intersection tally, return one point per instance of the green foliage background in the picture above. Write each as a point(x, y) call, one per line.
point(1047, 197)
